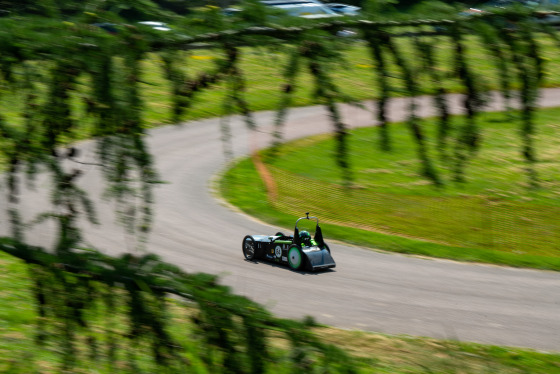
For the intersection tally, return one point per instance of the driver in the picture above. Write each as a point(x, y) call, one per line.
point(305, 238)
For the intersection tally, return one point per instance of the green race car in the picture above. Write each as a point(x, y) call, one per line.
point(300, 251)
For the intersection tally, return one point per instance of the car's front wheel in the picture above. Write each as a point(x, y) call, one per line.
point(295, 257)
point(249, 248)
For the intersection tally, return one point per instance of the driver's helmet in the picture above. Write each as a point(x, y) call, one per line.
point(305, 237)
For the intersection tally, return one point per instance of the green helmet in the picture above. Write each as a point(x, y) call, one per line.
point(304, 236)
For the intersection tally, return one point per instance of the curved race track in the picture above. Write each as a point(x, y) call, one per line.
point(368, 290)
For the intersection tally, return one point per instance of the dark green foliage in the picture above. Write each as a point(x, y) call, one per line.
point(318, 55)
point(379, 9)
point(52, 65)
point(178, 79)
point(428, 169)
point(530, 71)
point(237, 86)
point(290, 75)
point(132, 9)
point(435, 8)
point(185, 89)
point(375, 41)
point(426, 51)
point(254, 13)
point(468, 136)
point(491, 40)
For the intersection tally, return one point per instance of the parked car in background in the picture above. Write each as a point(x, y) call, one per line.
point(115, 28)
point(302, 8)
point(310, 9)
point(231, 11)
point(156, 25)
point(529, 3)
point(344, 9)
point(111, 28)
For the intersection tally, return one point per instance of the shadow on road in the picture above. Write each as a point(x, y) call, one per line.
point(280, 266)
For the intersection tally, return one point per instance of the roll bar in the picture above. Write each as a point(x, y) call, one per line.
point(307, 217)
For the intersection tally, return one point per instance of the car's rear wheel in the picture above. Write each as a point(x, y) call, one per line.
point(295, 257)
point(249, 248)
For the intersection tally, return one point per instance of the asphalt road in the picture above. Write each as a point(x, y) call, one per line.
point(368, 290)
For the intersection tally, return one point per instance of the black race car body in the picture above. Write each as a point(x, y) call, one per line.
point(299, 251)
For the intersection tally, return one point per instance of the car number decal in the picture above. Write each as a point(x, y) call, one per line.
point(278, 251)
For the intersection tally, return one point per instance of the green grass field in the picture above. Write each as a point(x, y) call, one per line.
point(494, 217)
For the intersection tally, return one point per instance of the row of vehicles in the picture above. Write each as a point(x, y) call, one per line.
point(299, 8)
point(307, 8)
point(312, 8)
point(546, 11)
